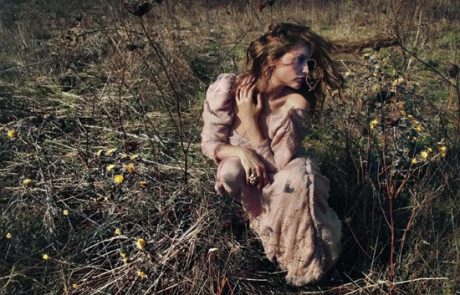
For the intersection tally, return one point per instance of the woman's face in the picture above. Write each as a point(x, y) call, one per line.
point(293, 67)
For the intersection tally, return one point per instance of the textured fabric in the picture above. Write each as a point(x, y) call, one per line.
point(291, 215)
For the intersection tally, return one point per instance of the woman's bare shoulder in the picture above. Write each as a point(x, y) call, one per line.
point(297, 101)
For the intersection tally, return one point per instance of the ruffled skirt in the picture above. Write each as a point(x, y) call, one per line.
point(291, 216)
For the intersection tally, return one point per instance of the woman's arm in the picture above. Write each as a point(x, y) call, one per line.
point(247, 113)
point(250, 129)
point(217, 115)
point(226, 150)
point(249, 160)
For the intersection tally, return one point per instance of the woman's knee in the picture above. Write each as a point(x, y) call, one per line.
point(232, 173)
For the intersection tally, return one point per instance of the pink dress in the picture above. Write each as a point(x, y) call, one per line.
point(291, 215)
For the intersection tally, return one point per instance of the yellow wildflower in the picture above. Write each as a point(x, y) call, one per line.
point(398, 81)
point(129, 168)
point(143, 183)
point(133, 157)
point(443, 151)
point(118, 179)
point(45, 256)
point(373, 123)
point(11, 134)
point(141, 274)
point(9, 236)
point(65, 212)
point(124, 156)
point(99, 153)
point(75, 286)
point(124, 256)
point(109, 152)
point(418, 128)
point(414, 161)
point(424, 154)
point(117, 231)
point(110, 167)
point(26, 181)
point(140, 244)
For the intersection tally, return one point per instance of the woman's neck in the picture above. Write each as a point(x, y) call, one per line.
point(272, 95)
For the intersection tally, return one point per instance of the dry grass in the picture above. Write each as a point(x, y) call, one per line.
point(82, 91)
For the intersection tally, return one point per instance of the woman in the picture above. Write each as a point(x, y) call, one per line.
point(253, 128)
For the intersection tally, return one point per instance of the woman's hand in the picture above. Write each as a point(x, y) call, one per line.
point(247, 110)
point(252, 165)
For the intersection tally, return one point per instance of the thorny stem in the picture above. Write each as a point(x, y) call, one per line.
point(176, 96)
point(390, 191)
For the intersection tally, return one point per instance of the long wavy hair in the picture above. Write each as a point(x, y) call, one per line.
point(280, 39)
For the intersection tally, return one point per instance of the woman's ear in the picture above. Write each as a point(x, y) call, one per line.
point(269, 70)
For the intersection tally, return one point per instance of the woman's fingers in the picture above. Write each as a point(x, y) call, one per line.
point(253, 166)
point(248, 173)
point(246, 92)
point(263, 177)
point(251, 89)
point(247, 81)
point(238, 94)
point(259, 101)
point(241, 94)
point(253, 171)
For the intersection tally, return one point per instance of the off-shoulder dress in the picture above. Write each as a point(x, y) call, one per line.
point(291, 215)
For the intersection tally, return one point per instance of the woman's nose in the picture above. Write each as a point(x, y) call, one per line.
point(305, 69)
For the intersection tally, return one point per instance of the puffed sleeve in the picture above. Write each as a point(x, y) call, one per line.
point(287, 138)
point(217, 115)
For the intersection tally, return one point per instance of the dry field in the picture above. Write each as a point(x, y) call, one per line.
point(103, 187)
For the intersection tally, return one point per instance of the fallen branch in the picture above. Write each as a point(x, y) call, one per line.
point(376, 43)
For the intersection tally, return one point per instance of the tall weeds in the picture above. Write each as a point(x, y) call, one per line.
point(104, 188)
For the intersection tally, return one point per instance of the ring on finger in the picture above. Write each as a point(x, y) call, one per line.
point(253, 179)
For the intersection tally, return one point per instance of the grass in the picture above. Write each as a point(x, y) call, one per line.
point(138, 108)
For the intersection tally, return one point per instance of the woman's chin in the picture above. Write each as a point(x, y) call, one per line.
point(297, 84)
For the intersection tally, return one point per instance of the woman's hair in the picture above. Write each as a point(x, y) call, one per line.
point(280, 39)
